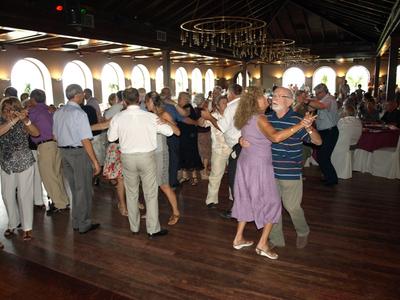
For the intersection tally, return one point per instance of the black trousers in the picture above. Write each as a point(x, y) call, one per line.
point(232, 163)
point(173, 149)
point(324, 152)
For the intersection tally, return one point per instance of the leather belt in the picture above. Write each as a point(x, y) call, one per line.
point(70, 147)
point(42, 142)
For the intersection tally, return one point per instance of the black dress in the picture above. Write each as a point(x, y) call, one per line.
point(189, 152)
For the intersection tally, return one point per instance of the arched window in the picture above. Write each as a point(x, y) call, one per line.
point(239, 79)
point(28, 74)
point(159, 79)
point(357, 75)
point(141, 78)
point(112, 80)
point(78, 73)
point(181, 80)
point(197, 81)
point(210, 81)
point(293, 76)
point(325, 75)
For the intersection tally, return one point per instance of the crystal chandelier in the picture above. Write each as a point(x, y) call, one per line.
point(226, 32)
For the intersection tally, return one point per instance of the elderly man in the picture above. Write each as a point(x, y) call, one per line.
point(72, 132)
point(137, 131)
point(287, 162)
point(231, 133)
point(327, 128)
point(93, 102)
point(48, 154)
point(392, 114)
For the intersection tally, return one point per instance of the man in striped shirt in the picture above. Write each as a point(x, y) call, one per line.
point(287, 159)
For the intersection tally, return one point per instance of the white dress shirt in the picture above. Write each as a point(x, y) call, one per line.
point(136, 130)
point(218, 143)
point(327, 118)
point(227, 124)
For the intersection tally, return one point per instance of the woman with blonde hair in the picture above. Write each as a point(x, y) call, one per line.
point(17, 166)
point(256, 193)
point(154, 104)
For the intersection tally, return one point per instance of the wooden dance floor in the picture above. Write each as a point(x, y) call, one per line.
point(353, 251)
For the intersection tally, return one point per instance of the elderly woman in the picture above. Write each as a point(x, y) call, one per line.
point(256, 193)
point(17, 166)
point(204, 135)
point(219, 154)
point(190, 160)
point(154, 104)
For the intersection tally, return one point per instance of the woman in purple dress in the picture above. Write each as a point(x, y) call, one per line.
point(256, 194)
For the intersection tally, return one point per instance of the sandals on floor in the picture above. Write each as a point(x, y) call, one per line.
point(173, 219)
point(195, 181)
point(27, 235)
point(9, 233)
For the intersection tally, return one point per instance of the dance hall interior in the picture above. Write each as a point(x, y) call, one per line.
point(201, 149)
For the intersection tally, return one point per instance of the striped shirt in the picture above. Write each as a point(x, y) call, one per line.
point(287, 156)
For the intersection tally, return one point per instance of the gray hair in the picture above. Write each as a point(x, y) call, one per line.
point(72, 90)
point(198, 98)
point(321, 88)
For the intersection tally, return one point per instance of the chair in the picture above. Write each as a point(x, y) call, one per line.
point(385, 162)
point(350, 130)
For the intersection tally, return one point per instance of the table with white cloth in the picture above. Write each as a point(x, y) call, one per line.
point(377, 151)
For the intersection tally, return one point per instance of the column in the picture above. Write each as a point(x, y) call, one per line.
point(392, 66)
point(376, 78)
point(166, 68)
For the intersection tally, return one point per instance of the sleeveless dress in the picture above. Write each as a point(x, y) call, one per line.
point(162, 160)
point(256, 193)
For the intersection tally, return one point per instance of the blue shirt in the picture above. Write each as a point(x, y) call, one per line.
point(173, 112)
point(287, 156)
point(71, 125)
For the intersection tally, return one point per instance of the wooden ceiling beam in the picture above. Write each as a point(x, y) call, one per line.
point(349, 29)
point(277, 10)
point(391, 25)
point(306, 24)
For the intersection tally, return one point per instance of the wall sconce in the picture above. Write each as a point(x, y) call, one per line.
point(279, 76)
point(3, 48)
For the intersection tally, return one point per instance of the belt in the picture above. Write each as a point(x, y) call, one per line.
point(70, 147)
point(42, 142)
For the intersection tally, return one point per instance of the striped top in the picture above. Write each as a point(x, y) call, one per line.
point(287, 156)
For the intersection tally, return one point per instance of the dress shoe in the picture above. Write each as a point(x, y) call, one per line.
point(226, 214)
point(212, 205)
point(329, 183)
point(301, 242)
point(162, 232)
point(52, 210)
point(92, 227)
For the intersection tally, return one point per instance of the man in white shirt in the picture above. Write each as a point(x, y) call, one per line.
point(137, 131)
point(231, 133)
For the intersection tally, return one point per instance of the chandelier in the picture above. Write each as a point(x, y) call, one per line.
point(267, 50)
point(296, 56)
point(226, 32)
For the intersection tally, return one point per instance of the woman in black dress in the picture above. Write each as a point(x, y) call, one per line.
point(190, 161)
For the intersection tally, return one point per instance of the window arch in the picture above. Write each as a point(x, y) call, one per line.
point(210, 81)
point(28, 74)
point(197, 81)
point(77, 72)
point(293, 76)
point(239, 79)
point(325, 75)
point(357, 75)
point(181, 80)
point(112, 80)
point(159, 79)
point(141, 77)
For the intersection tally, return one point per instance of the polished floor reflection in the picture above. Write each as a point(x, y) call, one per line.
point(352, 253)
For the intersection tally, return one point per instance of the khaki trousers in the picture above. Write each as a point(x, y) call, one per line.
point(49, 161)
point(291, 192)
point(218, 166)
point(138, 167)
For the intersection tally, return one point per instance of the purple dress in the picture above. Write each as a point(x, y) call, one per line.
point(256, 193)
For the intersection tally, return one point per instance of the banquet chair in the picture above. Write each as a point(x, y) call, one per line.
point(385, 162)
point(350, 130)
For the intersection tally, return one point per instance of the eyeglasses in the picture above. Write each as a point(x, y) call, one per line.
point(274, 96)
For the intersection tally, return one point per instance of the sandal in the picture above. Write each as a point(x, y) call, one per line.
point(27, 235)
point(9, 233)
point(195, 181)
point(184, 179)
point(173, 219)
point(141, 206)
point(122, 211)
